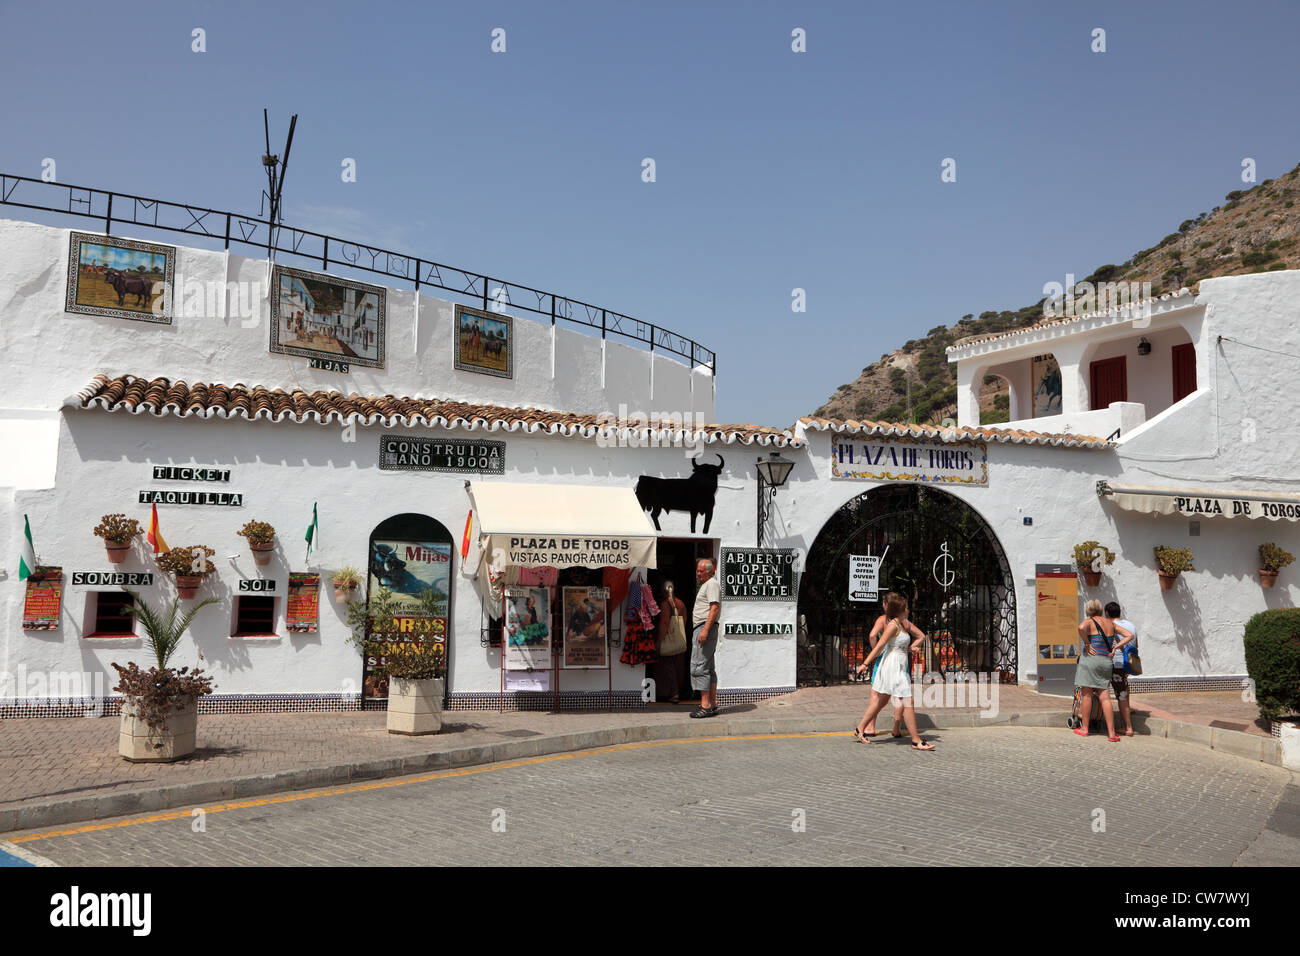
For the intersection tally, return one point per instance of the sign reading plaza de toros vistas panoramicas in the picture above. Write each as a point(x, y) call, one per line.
point(758, 574)
point(890, 459)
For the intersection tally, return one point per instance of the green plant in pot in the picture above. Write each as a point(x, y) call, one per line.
point(261, 540)
point(118, 531)
point(189, 565)
point(346, 580)
point(413, 669)
point(1089, 557)
point(1272, 559)
point(1171, 562)
point(160, 714)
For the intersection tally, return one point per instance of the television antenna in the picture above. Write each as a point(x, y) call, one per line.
point(274, 186)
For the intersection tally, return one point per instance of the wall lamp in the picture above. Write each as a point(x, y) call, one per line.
point(772, 472)
point(1144, 347)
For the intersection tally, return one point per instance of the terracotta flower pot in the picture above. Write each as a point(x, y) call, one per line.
point(1267, 578)
point(1167, 581)
point(1092, 578)
point(342, 594)
point(140, 743)
point(188, 584)
point(262, 551)
point(117, 552)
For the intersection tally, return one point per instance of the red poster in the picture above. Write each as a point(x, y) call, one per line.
point(44, 598)
point(302, 613)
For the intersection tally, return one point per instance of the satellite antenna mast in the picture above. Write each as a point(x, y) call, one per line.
point(274, 186)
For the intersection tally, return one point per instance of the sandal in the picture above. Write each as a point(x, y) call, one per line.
point(1113, 740)
point(699, 712)
point(1081, 733)
point(922, 746)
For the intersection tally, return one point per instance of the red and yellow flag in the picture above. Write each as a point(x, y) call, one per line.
point(464, 542)
point(154, 537)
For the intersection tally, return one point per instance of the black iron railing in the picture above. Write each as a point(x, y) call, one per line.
point(111, 209)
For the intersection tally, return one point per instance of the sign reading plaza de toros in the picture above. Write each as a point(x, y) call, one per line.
point(889, 459)
point(757, 574)
point(402, 453)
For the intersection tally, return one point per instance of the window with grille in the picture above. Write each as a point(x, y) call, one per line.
point(254, 614)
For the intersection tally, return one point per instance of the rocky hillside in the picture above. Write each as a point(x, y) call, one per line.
point(1256, 230)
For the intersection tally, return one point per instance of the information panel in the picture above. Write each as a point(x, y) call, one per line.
point(758, 574)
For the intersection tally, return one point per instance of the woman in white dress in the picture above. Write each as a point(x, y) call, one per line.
point(894, 679)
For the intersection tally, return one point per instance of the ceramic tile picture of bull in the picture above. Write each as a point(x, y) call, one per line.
point(120, 278)
point(484, 342)
point(694, 494)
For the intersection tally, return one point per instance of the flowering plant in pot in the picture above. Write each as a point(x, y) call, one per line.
point(261, 539)
point(415, 670)
point(1089, 557)
point(1272, 559)
point(160, 715)
point(1171, 562)
point(190, 565)
point(346, 580)
point(118, 531)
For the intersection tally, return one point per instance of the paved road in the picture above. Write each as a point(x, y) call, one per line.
point(985, 797)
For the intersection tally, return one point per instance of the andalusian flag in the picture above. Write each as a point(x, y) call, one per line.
point(27, 559)
point(464, 542)
point(154, 537)
point(313, 529)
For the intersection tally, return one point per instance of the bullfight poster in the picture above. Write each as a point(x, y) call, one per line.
point(528, 628)
point(484, 342)
point(417, 572)
point(120, 278)
point(586, 643)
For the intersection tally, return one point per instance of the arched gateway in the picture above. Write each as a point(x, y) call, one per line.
point(940, 555)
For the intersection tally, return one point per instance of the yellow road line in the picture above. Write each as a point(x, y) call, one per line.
point(399, 782)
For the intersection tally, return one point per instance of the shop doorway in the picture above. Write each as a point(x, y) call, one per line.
point(676, 558)
point(412, 556)
point(942, 556)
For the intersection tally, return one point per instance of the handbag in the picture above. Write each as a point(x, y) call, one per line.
point(674, 639)
point(1132, 662)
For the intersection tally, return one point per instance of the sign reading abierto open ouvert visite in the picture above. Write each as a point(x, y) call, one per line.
point(758, 574)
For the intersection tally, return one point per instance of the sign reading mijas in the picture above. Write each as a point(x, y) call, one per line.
point(890, 459)
point(230, 499)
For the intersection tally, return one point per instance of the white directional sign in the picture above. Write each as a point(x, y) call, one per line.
point(864, 577)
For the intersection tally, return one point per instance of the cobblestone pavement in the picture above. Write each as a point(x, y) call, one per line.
point(1015, 796)
point(47, 759)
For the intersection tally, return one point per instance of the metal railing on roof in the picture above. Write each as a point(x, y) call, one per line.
point(112, 208)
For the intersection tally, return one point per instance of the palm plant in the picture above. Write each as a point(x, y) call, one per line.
point(162, 630)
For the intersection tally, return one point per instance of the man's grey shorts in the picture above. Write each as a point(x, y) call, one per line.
point(703, 673)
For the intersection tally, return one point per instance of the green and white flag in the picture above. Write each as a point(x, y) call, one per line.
point(313, 529)
point(27, 560)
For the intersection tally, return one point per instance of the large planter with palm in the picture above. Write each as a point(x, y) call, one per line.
point(159, 721)
point(414, 670)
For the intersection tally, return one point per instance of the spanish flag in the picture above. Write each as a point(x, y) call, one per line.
point(154, 537)
point(464, 542)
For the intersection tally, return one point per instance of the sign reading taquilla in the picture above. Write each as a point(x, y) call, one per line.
point(750, 630)
point(891, 459)
point(229, 499)
point(757, 574)
point(401, 453)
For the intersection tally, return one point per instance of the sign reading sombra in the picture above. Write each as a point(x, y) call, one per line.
point(890, 459)
point(401, 453)
point(758, 574)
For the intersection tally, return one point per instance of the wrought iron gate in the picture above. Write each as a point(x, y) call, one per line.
point(942, 557)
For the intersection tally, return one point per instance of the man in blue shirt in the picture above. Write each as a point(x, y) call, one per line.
point(1119, 676)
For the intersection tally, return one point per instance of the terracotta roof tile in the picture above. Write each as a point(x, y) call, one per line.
point(161, 396)
point(967, 433)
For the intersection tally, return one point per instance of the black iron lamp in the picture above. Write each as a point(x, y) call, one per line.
point(772, 472)
point(1144, 347)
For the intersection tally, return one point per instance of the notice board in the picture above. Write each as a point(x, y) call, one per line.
point(1056, 589)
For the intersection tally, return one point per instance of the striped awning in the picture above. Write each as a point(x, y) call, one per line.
point(1203, 502)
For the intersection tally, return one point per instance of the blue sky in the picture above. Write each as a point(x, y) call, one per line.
point(775, 170)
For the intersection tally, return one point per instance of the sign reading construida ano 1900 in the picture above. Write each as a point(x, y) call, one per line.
point(757, 574)
point(402, 453)
point(893, 459)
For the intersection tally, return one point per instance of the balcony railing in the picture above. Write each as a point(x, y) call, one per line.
point(110, 209)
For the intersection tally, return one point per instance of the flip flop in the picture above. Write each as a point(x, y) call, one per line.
point(1113, 740)
point(922, 746)
point(1081, 733)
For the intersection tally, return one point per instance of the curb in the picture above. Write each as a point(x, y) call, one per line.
point(149, 800)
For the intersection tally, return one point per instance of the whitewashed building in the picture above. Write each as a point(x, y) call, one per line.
point(206, 415)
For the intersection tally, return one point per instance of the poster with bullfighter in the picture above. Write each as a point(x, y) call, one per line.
point(586, 643)
point(484, 342)
point(120, 278)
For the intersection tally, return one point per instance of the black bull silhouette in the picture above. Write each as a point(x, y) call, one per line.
point(694, 494)
point(125, 285)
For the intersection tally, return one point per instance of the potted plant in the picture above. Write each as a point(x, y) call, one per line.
point(261, 539)
point(118, 531)
point(190, 565)
point(1172, 562)
point(1089, 557)
point(346, 581)
point(160, 714)
point(415, 670)
point(1272, 559)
